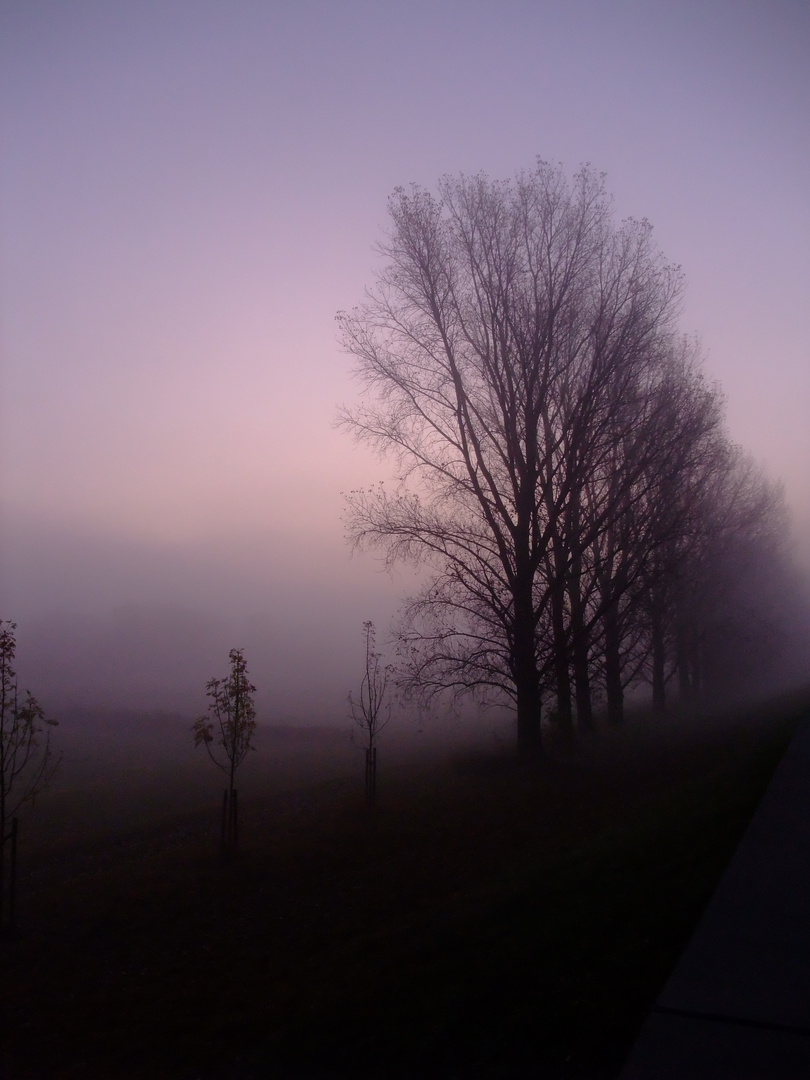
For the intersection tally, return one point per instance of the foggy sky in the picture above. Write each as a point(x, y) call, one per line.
point(190, 191)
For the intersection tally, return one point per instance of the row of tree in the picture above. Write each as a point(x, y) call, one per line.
point(227, 731)
point(565, 475)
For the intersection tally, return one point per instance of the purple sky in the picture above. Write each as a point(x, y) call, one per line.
point(191, 190)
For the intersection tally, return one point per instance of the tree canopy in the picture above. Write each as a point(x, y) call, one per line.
point(228, 729)
point(554, 436)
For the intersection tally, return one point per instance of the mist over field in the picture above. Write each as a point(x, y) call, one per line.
point(110, 624)
point(190, 194)
point(116, 621)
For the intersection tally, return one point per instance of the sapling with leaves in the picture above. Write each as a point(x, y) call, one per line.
point(27, 762)
point(371, 712)
point(227, 733)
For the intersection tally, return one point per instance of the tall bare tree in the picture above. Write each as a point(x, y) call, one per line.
point(511, 333)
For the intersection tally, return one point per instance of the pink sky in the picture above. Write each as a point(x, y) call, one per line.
point(190, 191)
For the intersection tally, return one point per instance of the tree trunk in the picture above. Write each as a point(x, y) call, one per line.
point(562, 673)
point(2, 859)
point(580, 637)
point(524, 658)
point(682, 663)
point(613, 665)
point(529, 705)
point(12, 883)
point(371, 775)
point(527, 686)
point(658, 662)
point(579, 645)
point(582, 686)
point(695, 668)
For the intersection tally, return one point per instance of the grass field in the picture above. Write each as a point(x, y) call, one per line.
point(488, 919)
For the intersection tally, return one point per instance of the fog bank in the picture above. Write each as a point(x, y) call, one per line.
point(111, 621)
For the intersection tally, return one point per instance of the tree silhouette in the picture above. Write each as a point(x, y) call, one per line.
point(227, 732)
point(27, 763)
point(565, 478)
point(510, 345)
point(369, 712)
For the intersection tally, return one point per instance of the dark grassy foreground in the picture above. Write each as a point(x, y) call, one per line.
point(490, 919)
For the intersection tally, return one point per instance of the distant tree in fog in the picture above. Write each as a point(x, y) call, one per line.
point(369, 711)
point(723, 618)
point(27, 762)
point(227, 732)
point(636, 558)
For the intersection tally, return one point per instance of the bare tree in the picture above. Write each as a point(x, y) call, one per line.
point(27, 762)
point(729, 568)
point(370, 712)
point(660, 473)
point(227, 734)
point(511, 333)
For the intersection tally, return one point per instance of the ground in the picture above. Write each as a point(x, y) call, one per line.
point(487, 918)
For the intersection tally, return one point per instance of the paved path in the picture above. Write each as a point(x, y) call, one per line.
point(737, 1004)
